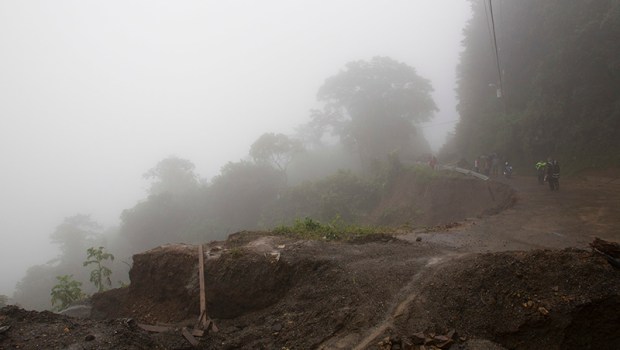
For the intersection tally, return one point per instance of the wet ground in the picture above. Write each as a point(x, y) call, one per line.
point(584, 208)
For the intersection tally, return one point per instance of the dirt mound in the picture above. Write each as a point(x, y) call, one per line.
point(543, 299)
point(440, 200)
point(272, 292)
point(164, 282)
point(45, 330)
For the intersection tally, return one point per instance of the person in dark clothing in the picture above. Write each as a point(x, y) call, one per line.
point(553, 175)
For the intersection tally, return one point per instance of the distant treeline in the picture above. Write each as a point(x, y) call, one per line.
point(560, 78)
point(335, 167)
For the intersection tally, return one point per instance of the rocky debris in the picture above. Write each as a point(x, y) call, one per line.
point(539, 299)
point(421, 341)
point(430, 341)
point(77, 311)
point(333, 295)
point(610, 250)
point(29, 330)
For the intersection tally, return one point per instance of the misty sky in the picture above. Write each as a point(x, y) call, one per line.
point(94, 93)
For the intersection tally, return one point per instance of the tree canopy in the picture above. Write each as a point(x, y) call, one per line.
point(561, 79)
point(275, 149)
point(172, 175)
point(74, 234)
point(373, 105)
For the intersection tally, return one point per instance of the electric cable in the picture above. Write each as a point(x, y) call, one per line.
point(499, 71)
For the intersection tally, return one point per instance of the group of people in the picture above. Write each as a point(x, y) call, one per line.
point(487, 165)
point(549, 172)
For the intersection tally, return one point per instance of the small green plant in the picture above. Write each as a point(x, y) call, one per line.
point(308, 228)
point(100, 274)
point(66, 292)
point(236, 252)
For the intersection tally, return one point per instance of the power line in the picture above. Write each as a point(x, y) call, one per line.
point(499, 71)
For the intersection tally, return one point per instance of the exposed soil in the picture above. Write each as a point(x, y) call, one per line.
point(520, 279)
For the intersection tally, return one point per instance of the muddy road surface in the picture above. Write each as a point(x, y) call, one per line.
point(584, 208)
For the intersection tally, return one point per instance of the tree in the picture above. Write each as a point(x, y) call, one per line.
point(100, 275)
point(373, 105)
point(560, 74)
point(172, 175)
point(238, 196)
point(4, 300)
point(66, 292)
point(166, 218)
point(275, 149)
point(73, 235)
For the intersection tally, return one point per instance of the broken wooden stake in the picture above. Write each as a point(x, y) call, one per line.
point(190, 338)
point(201, 277)
point(203, 320)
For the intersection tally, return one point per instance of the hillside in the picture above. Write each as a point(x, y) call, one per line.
point(481, 283)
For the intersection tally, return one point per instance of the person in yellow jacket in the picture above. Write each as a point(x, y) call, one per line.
point(540, 169)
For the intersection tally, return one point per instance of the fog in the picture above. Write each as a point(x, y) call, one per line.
point(93, 94)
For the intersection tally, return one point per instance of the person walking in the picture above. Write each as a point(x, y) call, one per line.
point(553, 175)
point(540, 169)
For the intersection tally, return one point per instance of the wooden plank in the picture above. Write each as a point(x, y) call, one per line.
point(155, 329)
point(201, 277)
point(198, 332)
point(190, 338)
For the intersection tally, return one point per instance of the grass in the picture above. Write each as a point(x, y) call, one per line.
point(336, 230)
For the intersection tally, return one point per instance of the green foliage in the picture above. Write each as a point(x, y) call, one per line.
point(561, 78)
point(424, 174)
point(100, 275)
point(172, 175)
point(343, 195)
point(241, 193)
point(4, 300)
point(73, 235)
point(308, 228)
point(371, 105)
point(236, 252)
point(166, 218)
point(66, 292)
point(275, 149)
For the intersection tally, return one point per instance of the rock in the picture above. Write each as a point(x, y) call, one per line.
point(77, 311)
point(543, 311)
point(452, 334)
point(443, 342)
point(418, 338)
point(276, 327)
point(407, 345)
point(89, 337)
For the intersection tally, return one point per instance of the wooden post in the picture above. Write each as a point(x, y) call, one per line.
point(201, 277)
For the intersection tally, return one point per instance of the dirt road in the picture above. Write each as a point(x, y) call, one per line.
point(584, 208)
point(379, 291)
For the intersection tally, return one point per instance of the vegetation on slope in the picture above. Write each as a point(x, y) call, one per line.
point(560, 72)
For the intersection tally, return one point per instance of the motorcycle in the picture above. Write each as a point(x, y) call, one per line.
point(508, 171)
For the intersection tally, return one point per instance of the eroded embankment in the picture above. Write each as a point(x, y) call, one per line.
point(542, 299)
point(440, 200)
point(271, 292)
point(274, 292)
